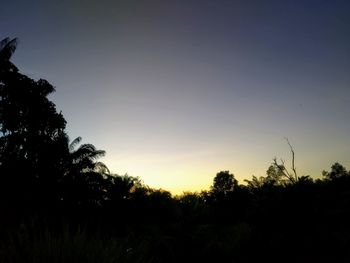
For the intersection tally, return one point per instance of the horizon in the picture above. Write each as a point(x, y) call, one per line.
point(175, 93)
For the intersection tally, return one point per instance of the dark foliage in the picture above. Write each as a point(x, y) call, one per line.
point(59, 204)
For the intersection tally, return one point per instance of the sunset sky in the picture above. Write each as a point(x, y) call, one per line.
point(176, 91)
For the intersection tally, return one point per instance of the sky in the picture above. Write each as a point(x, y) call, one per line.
point(176, 91)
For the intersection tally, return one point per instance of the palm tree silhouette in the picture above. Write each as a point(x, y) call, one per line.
point(83, 159)
point(7, 48)
point(85, 178)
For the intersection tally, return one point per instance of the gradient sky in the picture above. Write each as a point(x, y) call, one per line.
point(176, 91)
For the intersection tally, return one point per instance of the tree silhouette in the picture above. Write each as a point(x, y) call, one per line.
point(85, 179)
point(31, 132)
point(224, 183)
point(280, 173)
point(84, 159)
point(337, 171)
point(256, 182)
point(121, 187)
point(7, 48)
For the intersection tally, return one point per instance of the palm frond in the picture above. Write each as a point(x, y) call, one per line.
point(7, 48)
point(101, 168)
point(74, 143)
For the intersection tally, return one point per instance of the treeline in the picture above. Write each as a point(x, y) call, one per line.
point(58, 203)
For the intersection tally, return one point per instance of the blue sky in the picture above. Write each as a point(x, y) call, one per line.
point(176, 91)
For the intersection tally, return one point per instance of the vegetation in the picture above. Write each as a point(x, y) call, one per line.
point(58, 203)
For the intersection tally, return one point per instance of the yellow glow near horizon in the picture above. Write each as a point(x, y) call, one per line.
point(195, 171)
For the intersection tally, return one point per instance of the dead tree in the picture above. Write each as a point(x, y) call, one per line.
point(292, 176)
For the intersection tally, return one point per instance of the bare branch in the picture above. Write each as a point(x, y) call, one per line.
point(293, 160)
